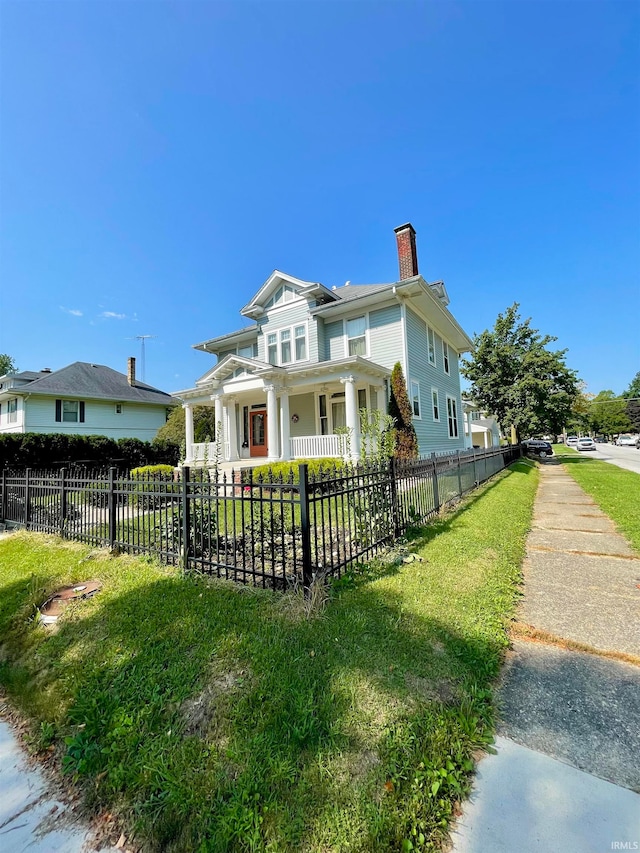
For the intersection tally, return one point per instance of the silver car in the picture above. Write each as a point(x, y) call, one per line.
point(586, 444)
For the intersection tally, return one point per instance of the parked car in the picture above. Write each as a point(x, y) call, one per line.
point(572, 440)
point(586, 444)
point(626, 440)
point(537, 447)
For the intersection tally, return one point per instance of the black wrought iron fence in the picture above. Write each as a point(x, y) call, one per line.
point(273, 532)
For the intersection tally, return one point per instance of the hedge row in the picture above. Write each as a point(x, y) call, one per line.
point(55, 450)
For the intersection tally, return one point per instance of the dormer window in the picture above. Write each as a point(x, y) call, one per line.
point(285, 293)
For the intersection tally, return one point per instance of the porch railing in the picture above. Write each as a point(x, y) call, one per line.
point(317, 446)
point(204, 451)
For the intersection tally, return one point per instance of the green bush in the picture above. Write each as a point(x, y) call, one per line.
point(55, 450)
point(288, 472)
point(153, 478)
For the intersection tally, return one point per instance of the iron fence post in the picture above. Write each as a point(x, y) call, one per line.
point(436, 488)
point(395, 508)
point(27, 497)
point(186, 519)
point(305, 529)
point(111, 504)
point(63, 501)
point(475, 472)
point(459, 475)
point(3, 510)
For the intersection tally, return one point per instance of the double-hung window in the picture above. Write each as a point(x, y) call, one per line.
point(435, 404)
point(356, 336)
point(12, 410)
point(288, 345)
point(445, 356)
point(70, 411)
point(300, 336)
point(272, 348)
point(431, 345)
point(415, 398)
point(452, 417)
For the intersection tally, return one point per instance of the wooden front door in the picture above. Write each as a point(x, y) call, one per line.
point(258, 433)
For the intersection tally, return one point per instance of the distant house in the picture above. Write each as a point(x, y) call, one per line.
point(83, 398)
point(480, 428)
point(315, 357)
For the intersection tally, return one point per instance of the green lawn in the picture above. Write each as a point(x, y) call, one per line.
point(615, 490)
point(216, 718)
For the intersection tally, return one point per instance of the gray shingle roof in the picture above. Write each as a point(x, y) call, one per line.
point(95, 381)
point(354, 291)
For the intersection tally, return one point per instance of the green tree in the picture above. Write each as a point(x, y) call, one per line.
point(608, 414)
point(204, 425)
point(632, 396)
point(406, 441)
point(7, 364)
point(517, 378)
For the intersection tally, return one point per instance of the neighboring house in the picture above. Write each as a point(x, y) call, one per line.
point(314, 356)
point(87, 399)
point(480, 429)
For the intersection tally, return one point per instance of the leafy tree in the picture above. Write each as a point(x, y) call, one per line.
point(7, 364)
point(632, 395)
point(406, 441)
point(517, 378)
point(608, 414)
point(204, 425)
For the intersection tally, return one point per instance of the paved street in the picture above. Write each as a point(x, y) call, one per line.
point(623, 457)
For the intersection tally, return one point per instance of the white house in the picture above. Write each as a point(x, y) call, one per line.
point(315, 356)
point(480, 428)
point(82, 398)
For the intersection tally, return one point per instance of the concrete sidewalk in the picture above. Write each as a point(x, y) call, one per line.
point(567, 769)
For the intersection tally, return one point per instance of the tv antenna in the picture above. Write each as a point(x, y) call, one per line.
point(142, 339)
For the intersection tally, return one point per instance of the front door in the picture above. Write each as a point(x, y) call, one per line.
point(258, 433)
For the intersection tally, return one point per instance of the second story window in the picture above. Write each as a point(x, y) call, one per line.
point(431, 343)
point(288, 345)
point(356, 336)
point(445, 356)
point(300, 334)
point(435, 403)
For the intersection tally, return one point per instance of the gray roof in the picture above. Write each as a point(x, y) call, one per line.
point(354, 291)
point(94, 381)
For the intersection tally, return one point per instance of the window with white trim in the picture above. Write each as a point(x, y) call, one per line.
point(118, 408)
point(415, 398)
point(452, 417)
point(445, 356)
point(431, 345)
point(285, 293)
point(356, 336)
point(70, 411)
point(435, 404)
point(288, 345)
point(12, 410)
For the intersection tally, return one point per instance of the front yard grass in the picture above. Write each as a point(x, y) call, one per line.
point(211, 717)
point(615, 490)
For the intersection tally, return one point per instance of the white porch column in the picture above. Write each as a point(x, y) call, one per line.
point(232, 415)
point(353, 421)
point(273, 449)
point(219, 423)
point(285, 453)
point(381, 400)
point(188, 432)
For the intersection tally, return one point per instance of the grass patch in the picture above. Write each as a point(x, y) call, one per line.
point(615, 490)
point(217, 718)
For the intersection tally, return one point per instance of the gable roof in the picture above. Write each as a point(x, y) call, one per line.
point(312, 289)
point(93, 381)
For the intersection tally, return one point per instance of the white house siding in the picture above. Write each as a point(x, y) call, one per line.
point(302, 405)
point(432, 435)
point(136, 420)
point(293, 314)
point(7, 426)
point(385, 336)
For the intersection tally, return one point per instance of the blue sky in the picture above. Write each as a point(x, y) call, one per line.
point(158, 160)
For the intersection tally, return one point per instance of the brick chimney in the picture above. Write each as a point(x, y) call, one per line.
point(131, 371)
point(407, 254)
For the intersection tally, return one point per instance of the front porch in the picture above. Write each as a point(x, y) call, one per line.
point(266, 414)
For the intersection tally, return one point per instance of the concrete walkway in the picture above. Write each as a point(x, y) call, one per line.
point(567, 769)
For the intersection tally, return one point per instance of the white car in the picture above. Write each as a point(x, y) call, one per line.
point(586, 444)
point(625, 440)
point(572, 440)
